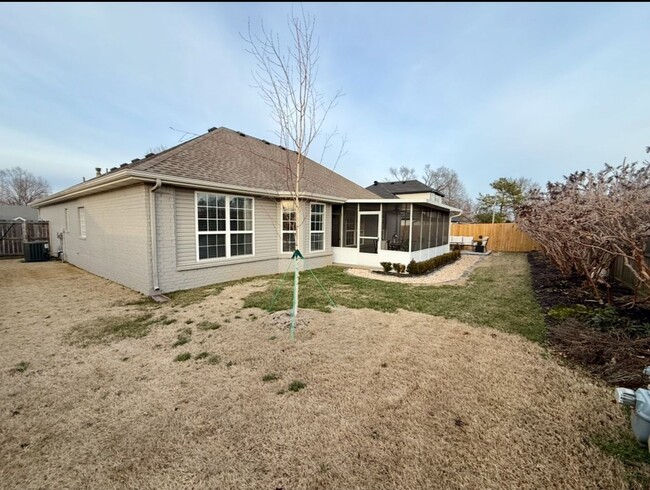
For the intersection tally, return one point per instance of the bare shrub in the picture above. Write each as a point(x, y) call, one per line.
point(584, 223)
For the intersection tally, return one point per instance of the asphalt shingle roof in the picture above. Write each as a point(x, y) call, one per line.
point(224, 156)
point(389, 190)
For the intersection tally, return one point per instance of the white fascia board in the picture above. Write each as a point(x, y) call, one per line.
point(121, 178)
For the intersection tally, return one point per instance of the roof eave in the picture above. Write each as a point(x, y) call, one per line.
point(125, 177)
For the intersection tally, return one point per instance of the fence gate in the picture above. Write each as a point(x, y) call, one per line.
point(13, 233)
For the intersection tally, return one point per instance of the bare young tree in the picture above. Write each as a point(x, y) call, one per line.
point(446, 181)
point(285, 77)
point(20, 187)
point(402, 173)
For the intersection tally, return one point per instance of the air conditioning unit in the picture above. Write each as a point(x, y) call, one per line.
point(36, 251)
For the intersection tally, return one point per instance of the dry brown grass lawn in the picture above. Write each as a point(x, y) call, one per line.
point(400, 400)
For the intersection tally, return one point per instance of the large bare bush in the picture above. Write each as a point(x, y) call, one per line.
point(584, 223)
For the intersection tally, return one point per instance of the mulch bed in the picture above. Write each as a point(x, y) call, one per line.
point(616, 355)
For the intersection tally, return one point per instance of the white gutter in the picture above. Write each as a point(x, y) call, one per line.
point(154, 237)
point(124, 177)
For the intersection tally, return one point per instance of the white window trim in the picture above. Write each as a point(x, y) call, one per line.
point(282, 232)
point(321, 232)
point(82, 229)
point(227, 232)
point(66, 219)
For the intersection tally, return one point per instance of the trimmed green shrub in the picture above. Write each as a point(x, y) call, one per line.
point(414, 268)
point(399, 268)
point(387, 266)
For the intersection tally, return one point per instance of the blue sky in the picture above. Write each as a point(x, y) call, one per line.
point(490, 90)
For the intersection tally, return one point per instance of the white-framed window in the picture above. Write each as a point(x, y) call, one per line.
point(288, 210)
point(224, 226)
point(81, 215)
point(317, 228)
point(66, 223)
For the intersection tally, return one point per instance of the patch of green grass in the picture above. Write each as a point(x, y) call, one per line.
point(184, 337)
point(143, 301)
point(498, 295)
point(110, 329)
point(205, 325)
point(562, 312)
point(182, 340)
point(196, 295)
point(270, 377)
point(296, 386)
point(21, 367)
point(202, 355)
point(624, 447)
point(214, 359)
point(185, 356)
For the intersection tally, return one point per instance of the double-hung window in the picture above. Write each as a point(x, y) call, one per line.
point(224, 225)
point(317, 228)
point(288, 226)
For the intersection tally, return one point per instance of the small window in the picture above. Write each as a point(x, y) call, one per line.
point(82, 222)
point(66, 223)
point(288, 226)
point(317, 228)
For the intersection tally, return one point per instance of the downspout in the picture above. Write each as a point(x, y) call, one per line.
point(154, 238)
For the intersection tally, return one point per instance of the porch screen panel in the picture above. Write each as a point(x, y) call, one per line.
point(445, 228)
point(426, 227)
point(416, 236)
point(350, 225)
point(336, 225)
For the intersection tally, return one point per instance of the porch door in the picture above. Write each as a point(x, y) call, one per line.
point(368, 232)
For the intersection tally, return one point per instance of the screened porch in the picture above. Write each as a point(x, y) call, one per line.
point(366, 233)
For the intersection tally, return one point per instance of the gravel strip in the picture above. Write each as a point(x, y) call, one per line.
point(449, 273)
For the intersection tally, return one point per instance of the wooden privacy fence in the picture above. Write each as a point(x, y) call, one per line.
point(504, 237)
point(14, 233)
point(620, 271)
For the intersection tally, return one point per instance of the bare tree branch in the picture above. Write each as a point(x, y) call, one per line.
point(20, 187)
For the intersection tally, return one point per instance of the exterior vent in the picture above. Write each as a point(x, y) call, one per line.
point(266, 142)
point(123, 165)
point(282, 148)
point(98, 171)
point(149, 155)
point(211, 129)
point(135, 160)
point(113, 169)
point(241, 134)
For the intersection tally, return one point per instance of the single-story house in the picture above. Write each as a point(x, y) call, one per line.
point(217, 208)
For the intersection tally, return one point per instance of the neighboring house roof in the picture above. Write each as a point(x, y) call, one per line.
point(231, 159)
point(390, 190)
point(9, 212)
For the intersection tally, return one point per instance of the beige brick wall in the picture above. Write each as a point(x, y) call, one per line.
point(117, 244)
point(178, 267)
point(117, 241)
